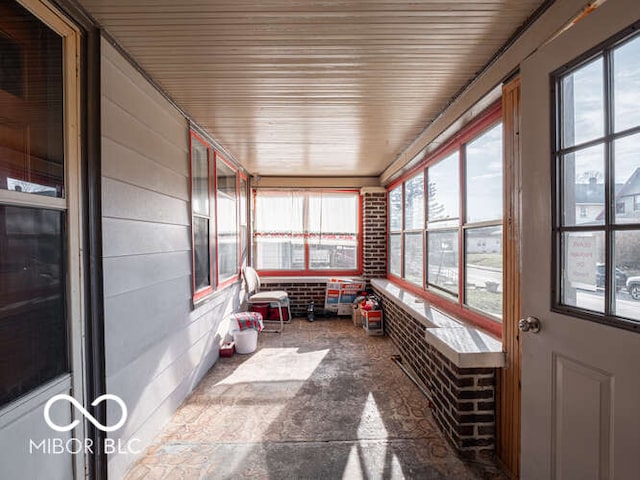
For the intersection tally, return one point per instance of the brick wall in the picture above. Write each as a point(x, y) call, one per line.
point(374, 243)
point(300, 294)
point(374, 250)
point(462, 399)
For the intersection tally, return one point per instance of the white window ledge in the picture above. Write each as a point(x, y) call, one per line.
point(465, 346)
point(295, 279)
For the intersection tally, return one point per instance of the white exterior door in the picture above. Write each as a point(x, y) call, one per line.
point(580, 379)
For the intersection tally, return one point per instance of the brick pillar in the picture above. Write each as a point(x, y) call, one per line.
point(374, 224)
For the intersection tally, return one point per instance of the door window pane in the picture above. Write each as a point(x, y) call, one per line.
point(443, 191)
point(414, 202)
point(583, 189)
point(484, 177)
point(395, 255)
point(33, 327)
point(483, 272)
point(627, 175)
point(31, 106)
point(443, 260)
point(583, 104)
point(199, 178)
point(227, 220)
point(201, 270)
point(583, 270)
point(413, 258)
point(627, 271)
point(626, 81)
point(395, 209)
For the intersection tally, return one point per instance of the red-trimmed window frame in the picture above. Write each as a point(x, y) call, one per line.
point(203, 292)
point(243, 260)
point(457, 307)
point(233, 278)
point(214, 276)
point(319, 273)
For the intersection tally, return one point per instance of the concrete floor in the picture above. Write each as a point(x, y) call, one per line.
point(321, 401)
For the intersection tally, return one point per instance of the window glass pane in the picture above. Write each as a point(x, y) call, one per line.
point(395, 209)
point(583, 270)
point(413, 258)
point(333, 213)
point(243, 201)
point(443, 260)
point(199, 178)
point(340, 253)
point(414, 203)
point(33, 327)
point(31, 105)
point(627, 173)
point(395, 254)
point(227, 221)
point(333, 231)
point(244, 228)
point(583, 189)
point(201, 252)
point(626, 81)
point(627, 255)
point(443, 191)
point(279, 235)
point(484, 176)
point(483, 269)
point(284, 253)
point(583, 104)
point(279, 212)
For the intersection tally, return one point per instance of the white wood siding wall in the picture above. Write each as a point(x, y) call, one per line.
point(157, 348)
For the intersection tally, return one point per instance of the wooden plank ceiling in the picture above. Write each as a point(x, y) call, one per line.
point(312, 87)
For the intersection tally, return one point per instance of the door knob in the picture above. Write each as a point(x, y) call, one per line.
point(529, 324)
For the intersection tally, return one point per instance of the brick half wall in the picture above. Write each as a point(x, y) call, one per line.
point(300, 295)
point(462, 399)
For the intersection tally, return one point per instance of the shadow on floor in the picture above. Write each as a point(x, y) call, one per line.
point(320, 401)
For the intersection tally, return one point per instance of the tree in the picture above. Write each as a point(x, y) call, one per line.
point(435, 208)
point(587, 176)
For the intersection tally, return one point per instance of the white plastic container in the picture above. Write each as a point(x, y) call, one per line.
point(246, 341)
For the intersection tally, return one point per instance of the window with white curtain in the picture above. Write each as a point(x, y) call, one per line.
point(316, 231)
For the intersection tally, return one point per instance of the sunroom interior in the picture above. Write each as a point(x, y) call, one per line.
point(471, 167)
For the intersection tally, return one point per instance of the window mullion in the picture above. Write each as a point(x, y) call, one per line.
point(609, 186)
point(213, 219)
point(425, 233)
point(402, 231)
point(306, 234)
point(462, 157)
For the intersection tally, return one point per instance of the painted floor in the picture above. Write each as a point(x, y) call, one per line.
point(320, 401)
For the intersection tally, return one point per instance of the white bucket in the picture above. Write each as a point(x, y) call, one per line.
point(246, 341)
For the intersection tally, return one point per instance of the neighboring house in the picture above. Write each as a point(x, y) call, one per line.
point(485, 241)
point(628, 198)
point(589, 201)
